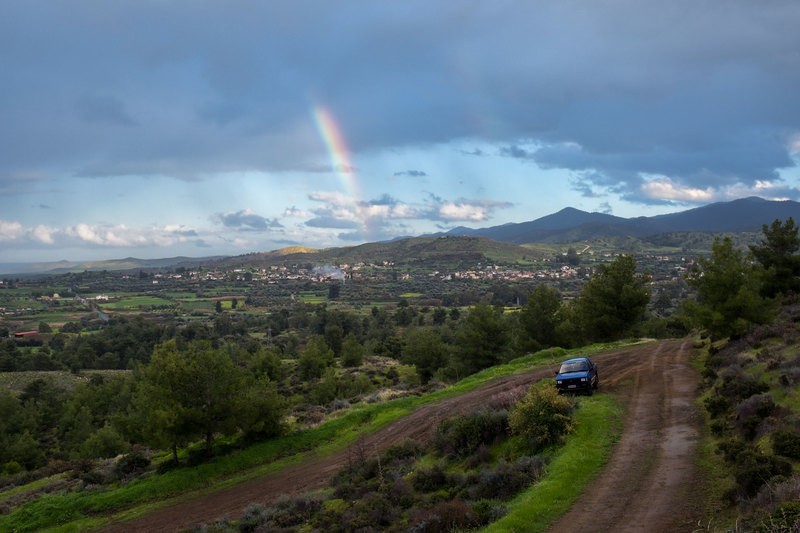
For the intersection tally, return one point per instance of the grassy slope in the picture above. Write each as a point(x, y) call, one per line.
point(573, 466)
point(80, 511)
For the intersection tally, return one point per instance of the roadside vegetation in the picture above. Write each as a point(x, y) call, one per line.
point(751, 377)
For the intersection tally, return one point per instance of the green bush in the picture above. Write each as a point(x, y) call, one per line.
point(105, 442)
point(786, 443)
point(404, 450)
point(11, 468)
point(505, 480)
point(755, 470)
point(751, 469)
point(430, 479)
point(463, 436)
point(736, 385)
point(542, 416)
point(717, 405)
point(489, 511)
point(131, 463)
point(785, 518)
point(445, 517)
point(751, 412)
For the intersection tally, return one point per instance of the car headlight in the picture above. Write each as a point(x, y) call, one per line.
point(559, 382)
point(583, 379)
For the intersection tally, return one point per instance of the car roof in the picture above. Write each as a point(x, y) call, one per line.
point(575, 359)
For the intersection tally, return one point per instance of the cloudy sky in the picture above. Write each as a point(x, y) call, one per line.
point(155, 128)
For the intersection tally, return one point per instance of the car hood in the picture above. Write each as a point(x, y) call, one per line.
point(573, 375)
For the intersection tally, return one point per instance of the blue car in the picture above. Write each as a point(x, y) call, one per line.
point(577, 375)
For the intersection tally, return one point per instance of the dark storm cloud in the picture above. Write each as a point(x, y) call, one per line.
point(246, 220)
point(384, 199)
point(412, 173)
point(516, 152)
point(618, 89)
point(186, 233)
point(107, 109)
point(331, 222)
point(477, 152)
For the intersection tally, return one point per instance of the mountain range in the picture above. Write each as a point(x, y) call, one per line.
point(574, 225)
point(569, 225)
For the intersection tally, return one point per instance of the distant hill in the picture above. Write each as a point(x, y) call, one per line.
point(416, 251)
point(497, 244)
point(129, 263)
point(573, 225)
point(542, 229)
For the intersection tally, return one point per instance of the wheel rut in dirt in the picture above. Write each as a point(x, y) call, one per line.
point(654, 380)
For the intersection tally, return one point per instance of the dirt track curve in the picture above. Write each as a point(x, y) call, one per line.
point(647, 485)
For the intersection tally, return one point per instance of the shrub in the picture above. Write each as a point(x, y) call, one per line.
point(401, 493)
point(130, 464)
point(444, 517)
point(506, 479)
point(429, 479)
point(542, 416)
point(755, 470)
point(373, 512)
point(488, 511)
point(11, 468)
point(105, 442)
point(255, 516)
point(716, 405)
point(785, 518)
point(751, 412)
point(481, 456)
point(404, 450)
point(736, 385)
point(751, 469)
point(288, 511)
point(786, 443)
point(463, 436)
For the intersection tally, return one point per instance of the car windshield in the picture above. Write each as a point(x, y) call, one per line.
point(573, 366)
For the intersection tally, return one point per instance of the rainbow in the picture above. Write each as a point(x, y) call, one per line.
point(337, 150)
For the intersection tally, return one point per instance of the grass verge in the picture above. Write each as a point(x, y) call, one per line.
point(572, 467)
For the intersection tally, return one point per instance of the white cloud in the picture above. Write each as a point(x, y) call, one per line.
point(295, 212)
point(10, 231)
point(123, 236)
point(462, 211)
point(44, 234)
point(663, 188)
point(766, 189)
point(331, 197)
point(794, 144)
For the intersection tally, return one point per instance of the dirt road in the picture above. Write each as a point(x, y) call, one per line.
point(650, 481)
point(642, 488)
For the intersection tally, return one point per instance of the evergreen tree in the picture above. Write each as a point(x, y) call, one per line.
point(315, 358)
point(187, 394)
point(482, 339)
point(538, 320)
point(728, 293)
point(777, 255)
point(423, 348)
point(352, 351)
point(613, 301)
